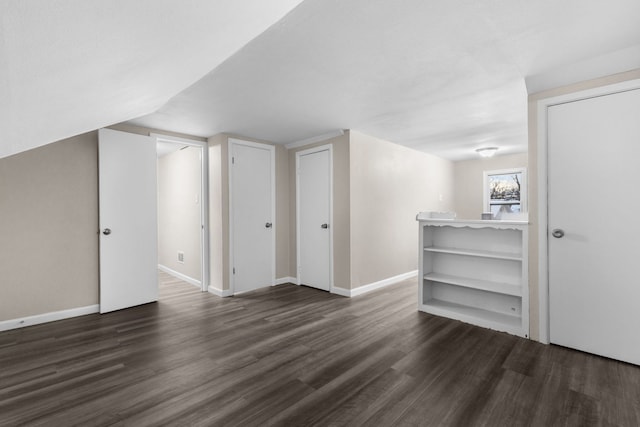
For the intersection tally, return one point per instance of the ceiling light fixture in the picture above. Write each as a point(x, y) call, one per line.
point(487, 151)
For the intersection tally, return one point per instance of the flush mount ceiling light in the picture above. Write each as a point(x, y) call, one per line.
point(487, 151)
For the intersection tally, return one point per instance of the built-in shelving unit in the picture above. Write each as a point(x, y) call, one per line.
point(475, 271)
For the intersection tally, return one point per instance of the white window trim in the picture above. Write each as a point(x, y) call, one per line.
point(523, 187)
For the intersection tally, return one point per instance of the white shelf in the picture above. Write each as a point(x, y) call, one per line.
point(483, 285)
point(476, 272)
point(475, 252)
point(474, 315)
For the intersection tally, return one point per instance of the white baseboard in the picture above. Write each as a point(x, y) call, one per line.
point(220, 292)
point(375, 285)
point(180, 276)
point(341, 291)
point(21, 322)
point(284, 280)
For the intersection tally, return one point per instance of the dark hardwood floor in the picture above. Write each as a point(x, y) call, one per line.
point(295, 356)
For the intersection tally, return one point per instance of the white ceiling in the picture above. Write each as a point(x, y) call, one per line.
point(441, 76)
point(71, 66)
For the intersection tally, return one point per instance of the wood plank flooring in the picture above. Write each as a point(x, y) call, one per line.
point(295, 356)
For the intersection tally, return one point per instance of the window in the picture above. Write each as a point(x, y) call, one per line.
point(505, 191)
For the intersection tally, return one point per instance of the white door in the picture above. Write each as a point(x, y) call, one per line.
point(128, 220)
point(314, 213)
point(593, 174)
point(252, 199)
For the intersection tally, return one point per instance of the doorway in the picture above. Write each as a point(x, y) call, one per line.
point(183, 209)
point(314, 197)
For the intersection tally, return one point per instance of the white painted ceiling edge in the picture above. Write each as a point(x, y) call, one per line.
point(71, 66)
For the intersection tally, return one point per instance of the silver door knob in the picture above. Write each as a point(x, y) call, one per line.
point(106, 231)
point(268, 225)
point(324, 226)
point(557, 233)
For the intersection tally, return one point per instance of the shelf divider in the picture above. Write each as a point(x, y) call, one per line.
point(475, 252)
point(483, 285)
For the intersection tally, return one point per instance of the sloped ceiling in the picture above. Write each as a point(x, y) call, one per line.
point(70, 66)
point(440, 76)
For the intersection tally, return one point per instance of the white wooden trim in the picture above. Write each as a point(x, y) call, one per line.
point(176, 139)
point(542, 157)
point(375, 285)
point(37, 319)
point(326, 147)
point(204, 199)
point(341, 291)
point(180, 276)
point(219, 292)
point(283, 280)
point(382, 283)
point(272, 150)
point(314, 139)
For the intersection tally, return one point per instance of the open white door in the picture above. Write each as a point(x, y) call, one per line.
point(252, 200)
point(593, 147)
point(128, 220)
point(314, 217)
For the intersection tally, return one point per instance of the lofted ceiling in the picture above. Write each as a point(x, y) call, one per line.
point(444, 77)
point(71, 66)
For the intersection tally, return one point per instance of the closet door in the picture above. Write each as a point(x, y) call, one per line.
point(252, 215)
point(313, 217)
point(594, 231)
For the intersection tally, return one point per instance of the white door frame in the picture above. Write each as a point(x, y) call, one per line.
point(272, 149)
point(326, 147)
point(542, 158)
point(204, 198)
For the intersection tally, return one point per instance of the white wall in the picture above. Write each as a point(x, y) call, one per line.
point(390, 184)
point(468, 181)
point(179, 211)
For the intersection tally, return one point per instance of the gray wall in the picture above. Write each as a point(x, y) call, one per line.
point(390, 184)
point(48, 228)
point(468, 179)
point(49, 258)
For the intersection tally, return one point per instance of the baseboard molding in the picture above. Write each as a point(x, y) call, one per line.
point(375, 285)
point(284, 280)
point(341, 291)
point(180, 276)
point(219, 292)
point(22, 322)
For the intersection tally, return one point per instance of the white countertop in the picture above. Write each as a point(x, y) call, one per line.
point(425, 217)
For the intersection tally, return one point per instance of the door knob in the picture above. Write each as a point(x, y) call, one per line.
point(324, 226)
point(557, 233)
point(106, 231)
point(268, 225)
